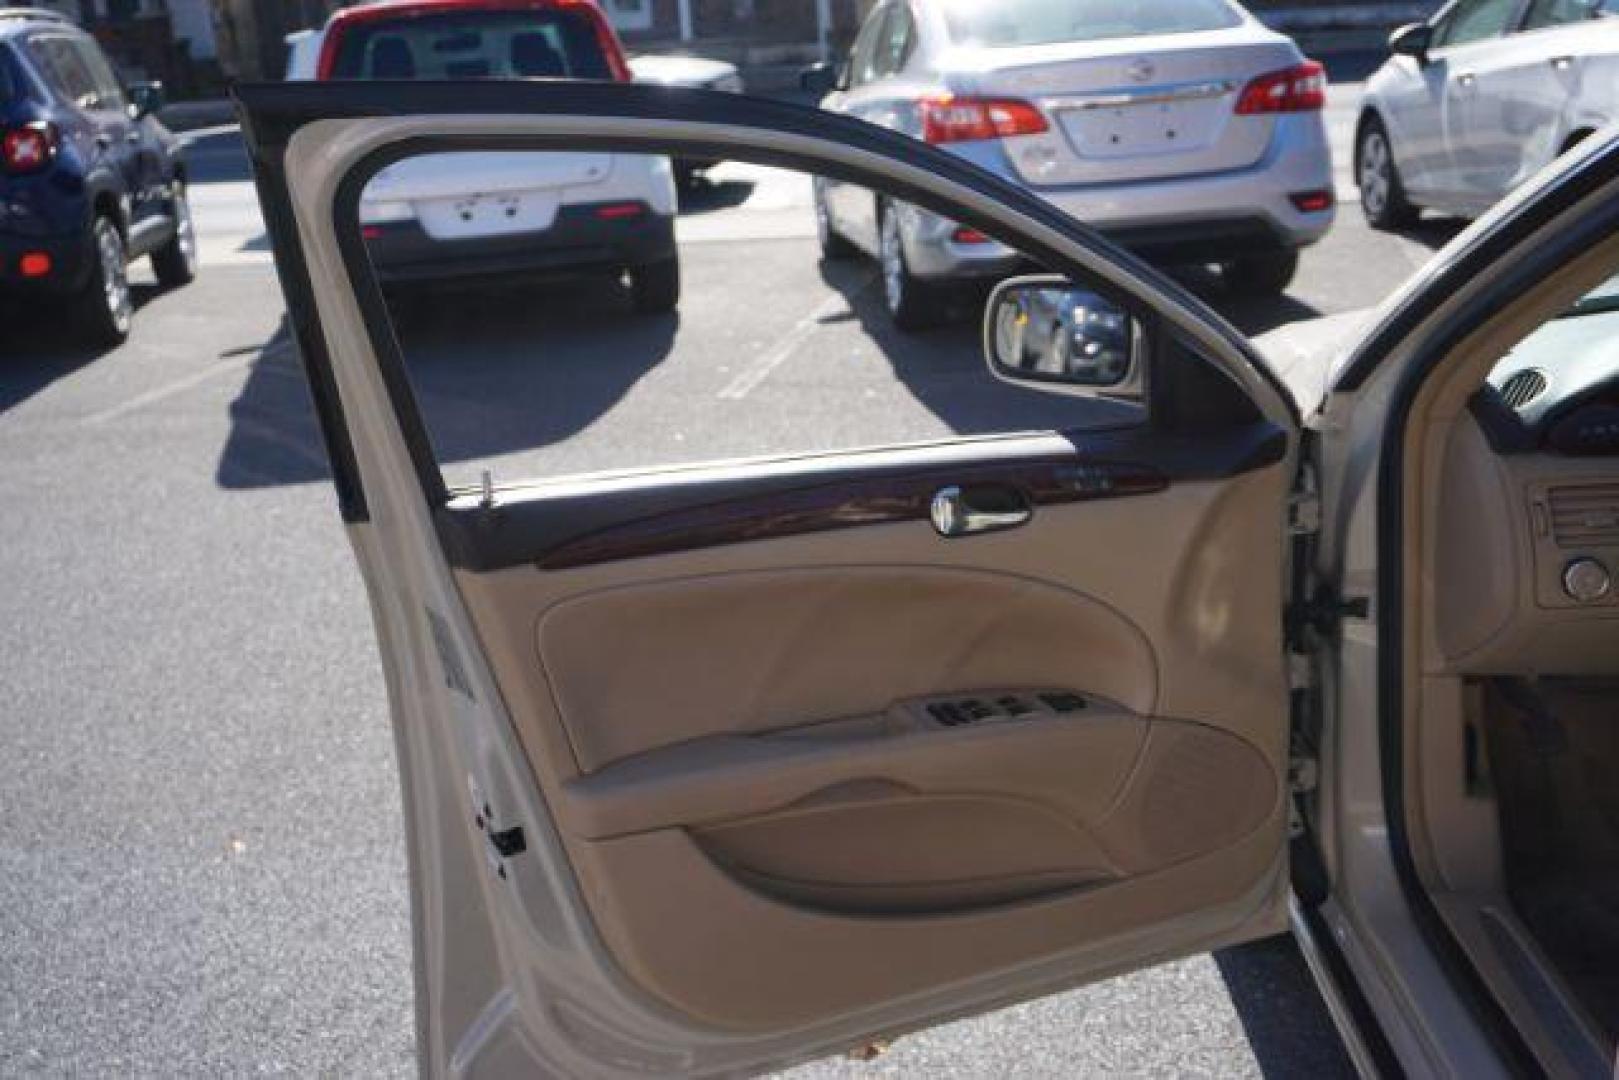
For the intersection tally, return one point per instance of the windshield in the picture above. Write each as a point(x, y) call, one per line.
point(473, 44)
point(1042, 22)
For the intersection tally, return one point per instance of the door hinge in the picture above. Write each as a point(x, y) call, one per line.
point(1300, 670)
point(1304, 513)
point(1303, 774)
point(1324, 611)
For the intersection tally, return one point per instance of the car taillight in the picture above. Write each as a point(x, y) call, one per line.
point(29, 148)
point(1296, 89)
point(1313, 202)
point(957, 119)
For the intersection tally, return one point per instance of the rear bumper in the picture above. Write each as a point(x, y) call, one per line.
point(1182, 219)
point(578, 242)
point(69, 257)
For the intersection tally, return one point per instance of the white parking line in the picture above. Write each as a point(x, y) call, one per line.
point(748, 379)
point(180, 386)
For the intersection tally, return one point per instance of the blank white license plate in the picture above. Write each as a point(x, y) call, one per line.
point(1134, 130)
point(465, 217)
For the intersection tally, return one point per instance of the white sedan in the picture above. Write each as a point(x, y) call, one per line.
point(1480, 98)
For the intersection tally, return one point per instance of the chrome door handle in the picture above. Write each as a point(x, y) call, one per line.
point(989, 508)
point(1466, 80)
point(1561, 63)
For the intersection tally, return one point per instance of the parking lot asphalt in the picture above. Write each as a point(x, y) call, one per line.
point(201, 862)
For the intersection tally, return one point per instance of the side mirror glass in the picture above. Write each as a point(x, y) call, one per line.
point(145, 98)
point(819, 78)
point(1413, 41)
point(1050, 333)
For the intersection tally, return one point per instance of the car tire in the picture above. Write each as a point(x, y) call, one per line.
point(655, 287)
point(1262, 275)
point(1377, 174)
point(175, 263)
point(912, 304)
point(104, 310)
point(834, 246)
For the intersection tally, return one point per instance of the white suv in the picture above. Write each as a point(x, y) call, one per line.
point(477, 215)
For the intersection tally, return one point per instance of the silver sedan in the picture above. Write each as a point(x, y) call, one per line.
point(1183, 128)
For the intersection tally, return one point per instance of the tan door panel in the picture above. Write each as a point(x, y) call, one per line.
point(738, 959)
point(731, 743)
point(640, 667)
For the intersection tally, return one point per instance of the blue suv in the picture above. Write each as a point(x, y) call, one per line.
point(89, 179)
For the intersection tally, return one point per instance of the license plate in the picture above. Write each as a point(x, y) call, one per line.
point(1115, 131)
point(466, 217)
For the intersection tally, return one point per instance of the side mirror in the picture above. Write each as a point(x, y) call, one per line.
point(1049, 333)
point(1413, 41)
point(145, 98)
point(820, 79)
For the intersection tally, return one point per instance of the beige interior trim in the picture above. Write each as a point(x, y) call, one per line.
point(1477, 592)
point(1442, 445)
point(730, 742)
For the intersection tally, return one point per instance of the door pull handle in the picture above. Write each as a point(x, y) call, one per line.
point(1561, 63)
point(990, 508)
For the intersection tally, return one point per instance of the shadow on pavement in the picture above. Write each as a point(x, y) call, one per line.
point(1434, 233)
point(273, 435)
point(943, 368)
point(41, 346)
point(1287, 1024)
point(1250, 314)
point(217, 157)
point(704, 196)
point(471, 359)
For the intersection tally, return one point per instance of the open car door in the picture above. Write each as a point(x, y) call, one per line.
point(716, 768)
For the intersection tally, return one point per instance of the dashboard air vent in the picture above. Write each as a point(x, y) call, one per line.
point(1523, 388)
point(1585, 515)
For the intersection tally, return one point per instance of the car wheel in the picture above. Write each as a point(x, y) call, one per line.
point(1382, 195)
point(912, 304)
point(833, 246)
point(175, 263)
point(655, 287)
point(1262, 275)
point(104, 307)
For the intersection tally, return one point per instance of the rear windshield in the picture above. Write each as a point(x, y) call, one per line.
point(473, 44)
point(1009, 23)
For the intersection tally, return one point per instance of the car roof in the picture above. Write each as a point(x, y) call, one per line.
point(15, 22)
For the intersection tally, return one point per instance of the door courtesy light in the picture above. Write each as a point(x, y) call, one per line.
point(34, 264)
point(1313, 202)
point(964, 235)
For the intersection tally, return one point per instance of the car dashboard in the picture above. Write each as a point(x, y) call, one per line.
point(1527, 538)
